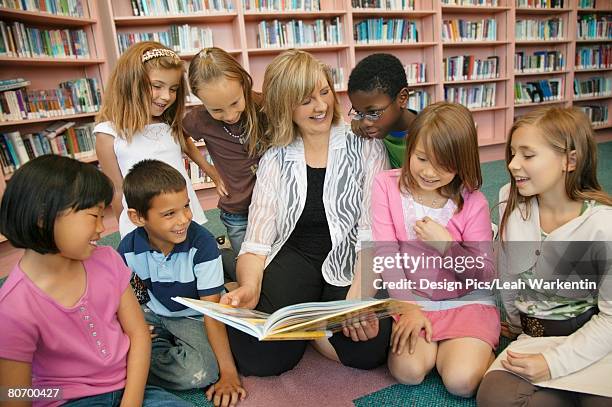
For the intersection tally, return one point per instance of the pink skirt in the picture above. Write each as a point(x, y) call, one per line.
point(468, 321)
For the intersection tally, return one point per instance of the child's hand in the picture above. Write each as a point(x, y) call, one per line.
point(507, 332)
point(357, 130)
point(244, 296)
point(407, 330)
point(227, 391)
point(532, 367)
point(436, 235)
point(220, 185)
point(361, 329)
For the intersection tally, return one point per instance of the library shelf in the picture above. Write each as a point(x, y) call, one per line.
point(47, 119)
point(309, 48)
point(263, 15)
point(547, 102)
point(542, 42)
point(474, 9)
point(564, 71)
point(421, 84)
point(589, 98)
point(602, 126)
point(393, 45)
point(474, 43)
point(469, 81)
point(594, 40)
point(203, 185)
point(41, 17)
point(49, 61)
point(542, 10)
point(220, 17)
point(364, 13)
point(580, 70)
point(595, 10)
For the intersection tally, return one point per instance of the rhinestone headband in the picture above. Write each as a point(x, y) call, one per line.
point(159, 52)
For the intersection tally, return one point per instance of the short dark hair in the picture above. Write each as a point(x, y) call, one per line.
point(148, 179)
point(40, 191)
point(382, 72)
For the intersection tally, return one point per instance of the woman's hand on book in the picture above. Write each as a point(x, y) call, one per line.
point(226, 392)
point(407, 329)
point(361, 328)
point(245, 296)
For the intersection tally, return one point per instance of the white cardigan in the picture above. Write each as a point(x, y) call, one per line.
point(279, 198)
point(593, 341)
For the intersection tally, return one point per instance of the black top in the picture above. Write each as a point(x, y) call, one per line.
point(311, 234)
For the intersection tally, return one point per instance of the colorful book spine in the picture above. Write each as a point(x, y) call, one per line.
point(594, 27)
point(472, 97)
point(466, 67)
point(19, 40)
point(594, 57)
point(538, 61)
point(293, 33)
point(529, 30)
point(180, 38)
point(464, 30)
point(386, 31)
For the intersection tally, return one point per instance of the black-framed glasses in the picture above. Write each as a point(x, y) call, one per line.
point(372, 116)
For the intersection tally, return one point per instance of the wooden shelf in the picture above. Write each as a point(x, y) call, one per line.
point(50, 62)
point(203, 185)
point(263, 15)
point(534, 10)
point(421, 84)
point(602, 126)
point(541, 73)
point(542, 42)
point(404, 45)
point(548, 102)
point(582, 70)
point(490, 142)
point(39, 17)
point(589, 98)
point(47, 119)
point(309, 48)
point(591, 41)
point(467, 81)
point(474, 43)
point(365, 13)
point(487, 109)
point(221, 17)
point(595, 10)
point(473, 9)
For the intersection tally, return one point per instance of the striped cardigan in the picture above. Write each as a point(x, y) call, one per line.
point(279, 198)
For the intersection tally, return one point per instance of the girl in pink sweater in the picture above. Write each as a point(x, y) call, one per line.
point(431, 211)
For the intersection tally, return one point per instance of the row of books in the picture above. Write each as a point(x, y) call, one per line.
point(164, 7)
point(18, 40)
point(72, 97)
point(181, 38)
point(538, 91)
point(463, 67)
point(464, 30)
point(281, 5)
point(10, 84)
point(415, 72)
point(592, 26)
point(418, 100)
point(597, 113)
point(551, 29)
point(337, 75)
point(68, 140)
point(598, 56)
point(195, 173)
point(539, 61)
point(586, 3)
point(482, 3)
point(539, 3)
point(299, 33)
point(472, 97)
point(381, 30)
point(596, 86)
point(383, 4)
point(73, 8)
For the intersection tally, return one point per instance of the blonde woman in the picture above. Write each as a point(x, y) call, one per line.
point(310, 207)
point(142, 118)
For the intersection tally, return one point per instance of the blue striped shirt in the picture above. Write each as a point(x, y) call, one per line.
point(193, 269)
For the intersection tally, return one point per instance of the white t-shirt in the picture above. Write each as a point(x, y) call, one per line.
point(155, 141)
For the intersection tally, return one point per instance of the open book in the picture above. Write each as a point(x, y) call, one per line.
point(310, 320)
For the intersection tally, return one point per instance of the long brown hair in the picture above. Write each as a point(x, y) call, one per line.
point(289, 79)
point(565, 130)
point(127, 98)
point(214, 63)
point(448, 133)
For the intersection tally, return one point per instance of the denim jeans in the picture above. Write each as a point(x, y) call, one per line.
point(153, 397)
point(236, 225)
point(181, 357)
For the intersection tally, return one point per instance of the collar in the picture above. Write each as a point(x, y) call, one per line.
point(337, 140)
point(142, 244)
